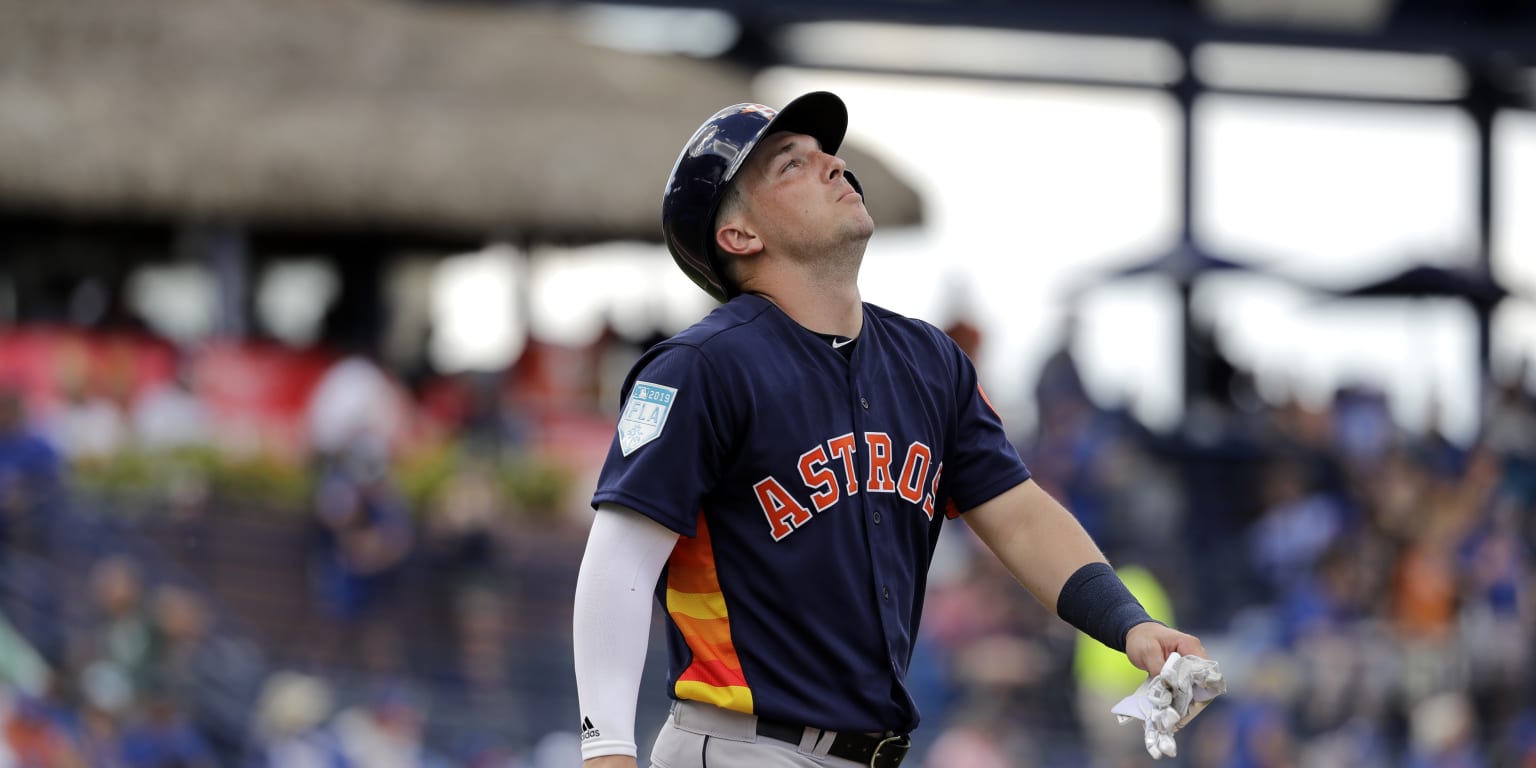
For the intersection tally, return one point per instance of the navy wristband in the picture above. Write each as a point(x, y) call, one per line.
point(1096, 601)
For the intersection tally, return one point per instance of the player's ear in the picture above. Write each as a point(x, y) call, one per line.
point(734, 238)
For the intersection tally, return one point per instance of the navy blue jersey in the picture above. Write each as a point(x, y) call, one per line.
point(808, 491)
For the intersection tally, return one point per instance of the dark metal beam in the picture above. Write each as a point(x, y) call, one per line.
point(1089, 82)
point(1447, 28)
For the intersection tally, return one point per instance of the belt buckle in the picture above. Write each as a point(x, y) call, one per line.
point(898, 752)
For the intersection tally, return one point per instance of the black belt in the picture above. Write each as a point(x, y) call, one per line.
point(862, 748)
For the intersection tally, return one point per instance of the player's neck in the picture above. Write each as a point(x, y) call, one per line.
point(821, 306)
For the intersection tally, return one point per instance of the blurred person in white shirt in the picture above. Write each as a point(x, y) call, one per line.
point(170, 415)
point(356, 399)
point(85, 425)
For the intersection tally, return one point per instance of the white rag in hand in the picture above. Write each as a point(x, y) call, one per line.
point(1167, 701)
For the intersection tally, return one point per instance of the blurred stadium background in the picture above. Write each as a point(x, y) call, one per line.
point(313, 315)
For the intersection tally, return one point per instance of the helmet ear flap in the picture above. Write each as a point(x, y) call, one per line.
point(854, 182)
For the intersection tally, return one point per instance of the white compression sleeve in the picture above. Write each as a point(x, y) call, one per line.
point(611, 629)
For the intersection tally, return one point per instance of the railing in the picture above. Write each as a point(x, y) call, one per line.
point(250, 564)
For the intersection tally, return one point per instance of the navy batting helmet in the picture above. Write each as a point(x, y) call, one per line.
point(709, 161)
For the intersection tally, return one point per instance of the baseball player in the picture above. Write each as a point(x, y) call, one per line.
point(780, 475)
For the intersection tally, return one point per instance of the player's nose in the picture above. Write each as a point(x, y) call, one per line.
point(835, 168)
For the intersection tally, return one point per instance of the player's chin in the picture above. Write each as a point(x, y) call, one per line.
point(855, 233)
point(861, 221)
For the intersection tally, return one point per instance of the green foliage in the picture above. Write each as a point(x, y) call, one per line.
point(526, 484)
point(423, 475)
point(186, 474)
point(536, 487)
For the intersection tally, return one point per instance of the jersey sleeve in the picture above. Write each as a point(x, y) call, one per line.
point(982, 462)
point(672, 434)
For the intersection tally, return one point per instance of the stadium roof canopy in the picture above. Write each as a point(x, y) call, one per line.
point(469, 122)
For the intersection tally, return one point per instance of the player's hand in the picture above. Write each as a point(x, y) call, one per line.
point(610, 761)
point(1149, 643)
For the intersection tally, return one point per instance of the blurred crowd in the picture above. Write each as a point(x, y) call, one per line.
point(1367, 589)
point(119, 649)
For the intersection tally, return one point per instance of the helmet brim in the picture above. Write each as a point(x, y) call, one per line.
point(820, 115)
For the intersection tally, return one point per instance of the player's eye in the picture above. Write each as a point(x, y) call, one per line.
point(793, 162)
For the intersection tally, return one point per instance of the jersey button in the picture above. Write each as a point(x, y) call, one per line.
point(877, 518)
point(864, 403)
point(885, 592)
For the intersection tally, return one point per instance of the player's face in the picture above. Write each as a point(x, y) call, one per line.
point(800, 198)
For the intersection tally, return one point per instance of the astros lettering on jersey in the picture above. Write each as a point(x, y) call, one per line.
point(815, 489)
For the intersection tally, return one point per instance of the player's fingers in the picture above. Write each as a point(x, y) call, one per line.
point(1147, 657)
point(1141, 660)
point(1189, 645)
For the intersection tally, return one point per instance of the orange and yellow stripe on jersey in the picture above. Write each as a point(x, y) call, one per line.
point(698, 610)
